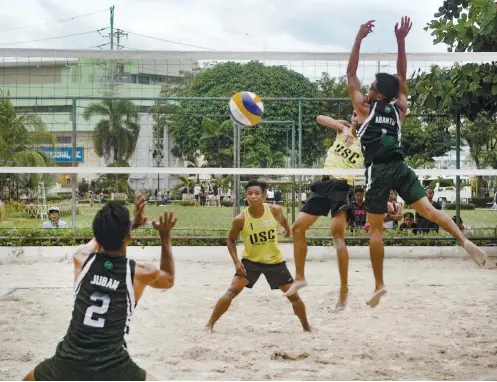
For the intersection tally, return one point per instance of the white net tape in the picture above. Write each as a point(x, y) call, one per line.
point(233, 171)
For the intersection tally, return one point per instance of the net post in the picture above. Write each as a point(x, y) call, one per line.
point(236, 164)
point(73, 140)
point(300, 150)
point(458, 166)
point(293, 177)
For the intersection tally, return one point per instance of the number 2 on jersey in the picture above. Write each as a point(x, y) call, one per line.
point(97, 322)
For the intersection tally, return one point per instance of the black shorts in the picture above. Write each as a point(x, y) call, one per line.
point(57, 369)
point(276, 275)
point(395, 175)
point(329, 195)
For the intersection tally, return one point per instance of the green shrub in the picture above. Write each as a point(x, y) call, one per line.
point(188, 203)
point(464, 206)
point(481, 202)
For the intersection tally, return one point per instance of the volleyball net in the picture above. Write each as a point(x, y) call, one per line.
point(121, 122)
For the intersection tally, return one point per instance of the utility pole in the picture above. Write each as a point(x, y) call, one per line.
point(111, 28)
point(120, 33)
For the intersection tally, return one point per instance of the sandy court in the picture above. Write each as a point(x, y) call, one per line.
point(438, 321)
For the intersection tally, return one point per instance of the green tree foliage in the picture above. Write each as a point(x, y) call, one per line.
point(216, 142)
point(469, 90)
point(21, 134)
point(162, 112)
point(426, 137)
point(116, 134)
point(481, 136)
point(224, 80)
point(465, 25)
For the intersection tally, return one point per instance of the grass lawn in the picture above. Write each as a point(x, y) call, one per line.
point(215, 221)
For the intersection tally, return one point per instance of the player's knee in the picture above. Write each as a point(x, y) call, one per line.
point(298, 230)
point(294, 299)
point(338, 242)
point(376, 237)
point(231, 293)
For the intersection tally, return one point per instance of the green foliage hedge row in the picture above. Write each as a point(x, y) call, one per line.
point(464, 206)
point(149, 237)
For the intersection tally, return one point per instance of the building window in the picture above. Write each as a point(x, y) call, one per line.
point(64, 139)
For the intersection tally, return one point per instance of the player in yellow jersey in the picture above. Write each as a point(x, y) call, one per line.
point(333, 194)
point(257, 224)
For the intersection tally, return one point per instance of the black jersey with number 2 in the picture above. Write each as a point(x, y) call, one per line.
point(104, 301)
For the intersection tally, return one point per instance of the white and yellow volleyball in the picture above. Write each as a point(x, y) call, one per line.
point(246, 108)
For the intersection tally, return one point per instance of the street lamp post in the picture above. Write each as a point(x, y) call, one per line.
point(158, 156)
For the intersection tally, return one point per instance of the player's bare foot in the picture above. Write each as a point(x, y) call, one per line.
point(377, 295)
point(294, 288)
point(307, 328)
point(478, 256)
point(209, 328)
point(342, 300)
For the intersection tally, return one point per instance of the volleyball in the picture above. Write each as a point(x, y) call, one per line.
point(246, 108)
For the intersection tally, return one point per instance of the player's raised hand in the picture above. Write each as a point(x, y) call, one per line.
point(139, 212)
point(166, 222)
point(366, 29)
point(403, 30)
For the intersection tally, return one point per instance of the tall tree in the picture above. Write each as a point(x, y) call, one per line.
point(469, 90)
point(224, 80)
point(116, 134)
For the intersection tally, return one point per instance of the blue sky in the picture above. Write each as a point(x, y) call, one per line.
point(277, 25)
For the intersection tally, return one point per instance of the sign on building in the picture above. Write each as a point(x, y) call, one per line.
point(64, 154)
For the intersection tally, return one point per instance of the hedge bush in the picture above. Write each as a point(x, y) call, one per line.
point(464, 206)
point(481, 202)
point(149, 237)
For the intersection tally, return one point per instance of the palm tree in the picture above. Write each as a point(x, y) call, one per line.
point(21, 136)
point(261, 156)
point(196, 162)
point(116, 134)
point(185, 183)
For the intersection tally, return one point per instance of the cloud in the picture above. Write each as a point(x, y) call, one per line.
point(311, 25)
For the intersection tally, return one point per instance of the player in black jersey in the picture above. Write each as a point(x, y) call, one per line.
point(107, 288)
point(380, 115)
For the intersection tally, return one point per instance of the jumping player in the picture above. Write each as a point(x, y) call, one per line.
point(380, 134)
point(333, 194)
point(257, 223)
point(107, 288)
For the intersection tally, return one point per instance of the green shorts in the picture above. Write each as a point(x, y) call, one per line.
point(383, 177)
point(57, 369)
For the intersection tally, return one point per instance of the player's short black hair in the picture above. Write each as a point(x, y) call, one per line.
point(358, 189)
point(111, 225)
point(387, 85)
point(256, 183)
point(409, 215)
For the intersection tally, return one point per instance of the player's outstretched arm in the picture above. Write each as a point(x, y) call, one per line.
point(277, 212)
point(236, 228)
point(354, 85)
point(340, 125)
point(164, 277)
point(401, 33)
